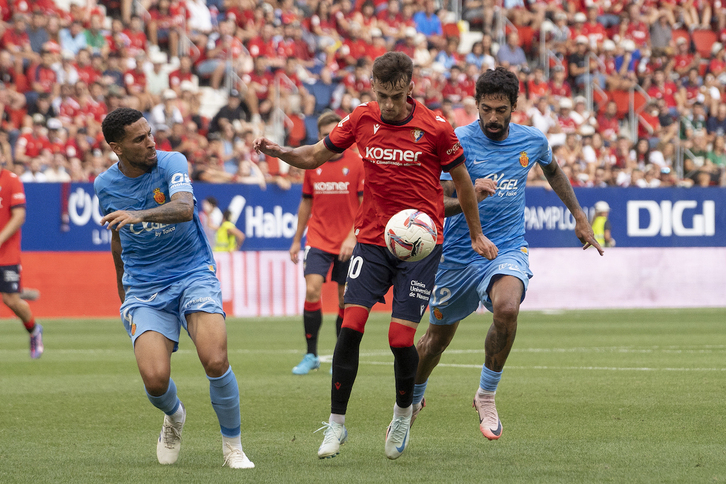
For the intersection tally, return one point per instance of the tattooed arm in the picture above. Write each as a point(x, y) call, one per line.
point(179, 209)
point(562, 187)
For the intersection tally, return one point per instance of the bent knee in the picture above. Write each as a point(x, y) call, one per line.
point(216, 366)
point(506, 312)
point(156, 384)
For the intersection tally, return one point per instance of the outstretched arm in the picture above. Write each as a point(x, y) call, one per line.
point(562, 187)
point(306, 157)
point(179, 209)
point(468, 203)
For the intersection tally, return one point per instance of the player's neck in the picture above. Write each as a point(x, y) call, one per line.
point(130, 171)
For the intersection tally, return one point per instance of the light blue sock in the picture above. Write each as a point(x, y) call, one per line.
point(418, 391)
point(489, 379)
point(224, 394)
point(168, 402)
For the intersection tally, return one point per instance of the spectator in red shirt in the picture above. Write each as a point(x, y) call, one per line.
point(137, 37)
point(42, 77)
point(683, 59)
point(184, 73)
point(608, 124)
point(34, 144)
point(16, 41)
point(162, 29)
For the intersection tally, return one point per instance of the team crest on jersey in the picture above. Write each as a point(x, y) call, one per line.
point(437, 313)
point(159, 197)
point(133, 329)
point(346, 171)
point(524, 159)
point(416, 135)
point(319, 171)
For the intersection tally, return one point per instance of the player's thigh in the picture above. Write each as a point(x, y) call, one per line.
point(413, 283)
point(200, 308)
point(370, 275)
point(513, 263)
point(313, 287)
point(151, 309)
point(340, 270)
point(455, 294)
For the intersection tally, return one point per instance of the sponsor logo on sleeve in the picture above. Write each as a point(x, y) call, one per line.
point(454, 149)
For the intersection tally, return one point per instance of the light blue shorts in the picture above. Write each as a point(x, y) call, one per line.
point(458, 292)
point(163, 308)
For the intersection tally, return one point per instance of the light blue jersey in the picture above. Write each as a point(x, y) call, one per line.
point(502, 215)
point(155, 254)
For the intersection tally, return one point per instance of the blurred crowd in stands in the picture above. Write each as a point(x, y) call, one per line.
point(211, 75)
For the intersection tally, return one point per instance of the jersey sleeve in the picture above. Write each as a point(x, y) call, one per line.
point(343, 135)
point(449, 148)
point(545, 157)
point(307, 187)
point(177, 174)
point(17, 195)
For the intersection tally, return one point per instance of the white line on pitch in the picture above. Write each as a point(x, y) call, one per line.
point(559, 368)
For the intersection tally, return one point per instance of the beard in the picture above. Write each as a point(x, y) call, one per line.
point(496, 131)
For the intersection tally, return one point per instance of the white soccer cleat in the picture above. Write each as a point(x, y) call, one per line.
point(235, 458)
point(398, 437)
point(169, 444)
point(335, 436)
point(489, 423)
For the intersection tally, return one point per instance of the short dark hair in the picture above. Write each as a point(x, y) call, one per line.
point(498, 82)
point(328, 117)
point(114, 125)
point(393, 68)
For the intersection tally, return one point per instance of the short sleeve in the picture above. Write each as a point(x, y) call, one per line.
point(343, 135)
point(177, 174)
point(307, 187)
point(449, 148)
point(17, 196)
point(545, 157)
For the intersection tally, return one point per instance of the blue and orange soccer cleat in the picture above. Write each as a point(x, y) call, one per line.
point(489, 422)
point(309, 363)
point(36, 342)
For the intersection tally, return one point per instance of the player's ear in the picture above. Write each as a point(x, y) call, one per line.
point(410, 87)
point(116, 148)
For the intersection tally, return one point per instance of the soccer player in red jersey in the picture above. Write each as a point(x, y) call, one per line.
point(12, 217)
point(331, 196)
point(404, 146)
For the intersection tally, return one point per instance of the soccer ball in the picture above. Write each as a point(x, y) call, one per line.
point(410, 235)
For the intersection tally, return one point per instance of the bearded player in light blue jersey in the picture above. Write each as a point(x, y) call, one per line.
point(166, 278)
point(498, 155)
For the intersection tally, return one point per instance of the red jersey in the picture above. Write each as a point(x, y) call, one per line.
point(403, 163)
point(334, 188)
point(177, 77)
point(667, 93)
point(12, 195)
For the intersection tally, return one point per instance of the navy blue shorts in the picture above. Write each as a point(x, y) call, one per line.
point(373, 270)
point(9, 279)
point(318, 261)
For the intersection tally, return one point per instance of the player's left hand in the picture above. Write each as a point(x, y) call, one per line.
point(584, 232)
point(270, 148)
point(485, 247)
point(346, 250)
point(119, 218)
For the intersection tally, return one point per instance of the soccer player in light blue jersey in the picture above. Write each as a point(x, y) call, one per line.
point(498, 155)
point(166, 278)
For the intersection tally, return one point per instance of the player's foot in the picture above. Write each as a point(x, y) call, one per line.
point(335, 435)
point(29, 294)
point(169, 444)
point(489, 422)
point(416, 409)
point(36, 342)
point(309, 363)
point(235, 458)
point(397, 437)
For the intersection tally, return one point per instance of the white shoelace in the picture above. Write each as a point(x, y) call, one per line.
point(233, 454)
point(398, 430)
point(171, 434)
point(329, 433)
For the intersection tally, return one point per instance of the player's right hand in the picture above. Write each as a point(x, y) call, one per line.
point(270, 148)
point(485, 247)
point(294, 252)
point(484, 187)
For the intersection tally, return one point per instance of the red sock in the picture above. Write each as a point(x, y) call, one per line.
point(30, 325)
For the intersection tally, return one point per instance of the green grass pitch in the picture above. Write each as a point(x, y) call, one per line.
point(587, 396)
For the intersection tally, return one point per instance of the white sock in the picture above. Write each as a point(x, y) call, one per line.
point(234, 442)
point(337, 418)
point(402, 412)
point(177, 416)
point(483, 392)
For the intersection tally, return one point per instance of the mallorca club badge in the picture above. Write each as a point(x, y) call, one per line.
point(159, 197)
point(524, 159)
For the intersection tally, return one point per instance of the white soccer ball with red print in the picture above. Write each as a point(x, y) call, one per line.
point(410, 235)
